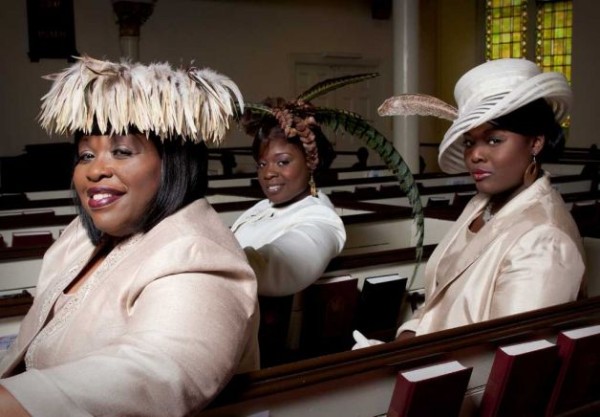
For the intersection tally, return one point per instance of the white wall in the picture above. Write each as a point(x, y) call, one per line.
point(255, 41)
point(252, 41)
point(586, 67)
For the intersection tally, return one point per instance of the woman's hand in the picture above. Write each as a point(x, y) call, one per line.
point(362, 341)
point(407, 334)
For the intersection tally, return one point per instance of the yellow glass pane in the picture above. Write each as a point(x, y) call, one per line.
point(516, 51)
point(506, 22)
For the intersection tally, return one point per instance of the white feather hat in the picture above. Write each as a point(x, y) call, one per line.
point(494, 89)
point(194, 103)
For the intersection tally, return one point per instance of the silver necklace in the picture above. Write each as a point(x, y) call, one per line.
point(487, 212)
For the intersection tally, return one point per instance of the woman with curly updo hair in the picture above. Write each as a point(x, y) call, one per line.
point(289, 237)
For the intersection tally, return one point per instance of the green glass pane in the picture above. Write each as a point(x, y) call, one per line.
point(516, 53)
point(505, 38)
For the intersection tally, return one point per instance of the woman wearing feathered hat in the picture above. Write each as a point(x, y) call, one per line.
point(515, 247)
point(145, 305)
point(289, 237)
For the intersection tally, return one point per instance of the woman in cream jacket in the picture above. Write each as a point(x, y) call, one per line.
point(515, 247)
point(145, 305)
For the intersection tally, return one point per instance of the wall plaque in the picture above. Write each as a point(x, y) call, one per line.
point(51, 26)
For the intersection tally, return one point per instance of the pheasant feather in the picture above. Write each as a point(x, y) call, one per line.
point(330, 84)
point(417, 105)
point(357, 126)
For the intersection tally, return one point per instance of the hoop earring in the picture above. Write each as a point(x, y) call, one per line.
point(531, 173)
point(313, 186)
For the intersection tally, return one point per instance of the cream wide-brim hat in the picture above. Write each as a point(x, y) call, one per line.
point(494, 89)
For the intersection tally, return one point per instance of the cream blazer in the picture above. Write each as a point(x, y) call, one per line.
point(528, 256)
point(157, 330)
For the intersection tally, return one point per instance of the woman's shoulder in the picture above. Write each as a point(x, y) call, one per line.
point(196, 224)
point(319, 205)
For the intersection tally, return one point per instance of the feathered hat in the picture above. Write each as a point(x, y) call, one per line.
point(195, 104)
point(486, 92)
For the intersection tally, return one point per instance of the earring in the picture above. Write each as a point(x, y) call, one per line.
point(531, 173)
point(313, 186)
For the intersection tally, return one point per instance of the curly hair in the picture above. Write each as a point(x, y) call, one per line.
point(304, 133)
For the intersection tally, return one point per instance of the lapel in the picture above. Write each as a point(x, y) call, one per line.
point(44, 302)
point(514, 217)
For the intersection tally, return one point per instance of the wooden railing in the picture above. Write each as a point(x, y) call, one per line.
point(361, 381)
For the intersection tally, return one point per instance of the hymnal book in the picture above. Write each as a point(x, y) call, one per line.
point(273, 331)
point(31, 239)
point(521, 380)
point(431, 391)
point(328, 313)
point(379, 305)
point(578, 380)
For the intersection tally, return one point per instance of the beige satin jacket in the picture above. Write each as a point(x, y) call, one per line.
point(528, 256)
point(157, 330)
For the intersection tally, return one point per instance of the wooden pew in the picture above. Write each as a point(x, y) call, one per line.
point(361, 382)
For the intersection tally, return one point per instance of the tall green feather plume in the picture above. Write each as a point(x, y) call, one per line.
point(330, 84)
point(355, 125)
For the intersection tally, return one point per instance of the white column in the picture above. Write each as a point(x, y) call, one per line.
point(406, 77)
point(131, 15)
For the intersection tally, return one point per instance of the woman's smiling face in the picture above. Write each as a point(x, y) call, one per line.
point(116, 179)
point(282, 171)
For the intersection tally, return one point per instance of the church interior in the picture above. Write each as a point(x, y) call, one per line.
point(279, 48)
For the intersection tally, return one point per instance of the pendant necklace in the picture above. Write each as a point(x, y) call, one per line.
point(487, 212)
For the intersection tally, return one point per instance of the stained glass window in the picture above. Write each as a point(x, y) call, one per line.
point(554, 34)
point(506, 29)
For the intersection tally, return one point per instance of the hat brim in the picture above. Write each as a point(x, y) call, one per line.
point(551, 86)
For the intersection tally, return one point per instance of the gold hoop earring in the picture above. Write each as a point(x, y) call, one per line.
point(313, 186)
point(531, 173)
